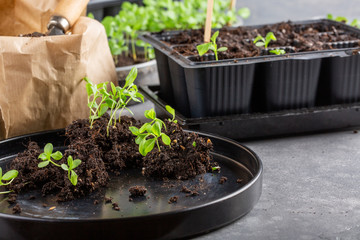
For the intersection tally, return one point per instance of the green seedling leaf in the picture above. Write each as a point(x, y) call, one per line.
point(203, 48)
point(277, 51)
point(73, 178)
point(57, 155)
point(244, 12)
point(170, 110)
point(10, 175)
point(134, 130)
point(194, 144)
point(149, 145)
point(43, 156)
point(156, 128)
point(217, 168)
point(76, 163)
point(330, 16)
point(131, 77)
point(103, 108)
point(165, 138)
point(65, 167)
point(43, 164)
point(150, 114)
point(222, 49)
point(48, 149)
point(214, 36)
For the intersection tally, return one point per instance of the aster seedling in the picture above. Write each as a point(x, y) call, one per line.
point(96, 100)
point(172, 112)
point(277, 51)
point(204, 48)
point(119, 97)
point(7, 178)
point(260, 41)
point(48, 155)
point(149, 133)
point(71, 165)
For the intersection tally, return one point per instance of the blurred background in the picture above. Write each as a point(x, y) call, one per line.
point(282, 10)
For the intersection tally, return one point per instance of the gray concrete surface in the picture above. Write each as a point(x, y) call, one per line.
point(310, 190)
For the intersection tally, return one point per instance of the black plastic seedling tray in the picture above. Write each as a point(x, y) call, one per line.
point(150, 217)
point(259, 84)
point(260, 125)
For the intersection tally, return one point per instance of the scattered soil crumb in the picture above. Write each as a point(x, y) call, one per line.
point(108, 199)
point(52, 208)
point(137, 191)
point(173, 199)
point(115, 206)
point(44, 205)
point(193, 193)
point(130, 199)
point(355, 131)
point(32, 197)
point(185, 189)
point(16, 209)
point(239, 180)
point(148, 197)
point(96, 202)
point(222, 180)
point(12, 198)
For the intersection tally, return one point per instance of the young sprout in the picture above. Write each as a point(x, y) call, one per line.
point(119, 97)
point(72, 164)
point(9, 176)
point(172, 112)
point(47, 155)
point(217, 168)
point(204, 48)
point(96, 92)
point(277, 51)
point(149, 133)
point(194, 144)
point(261, 41)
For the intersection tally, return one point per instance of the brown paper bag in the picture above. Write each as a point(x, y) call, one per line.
point(41, 85)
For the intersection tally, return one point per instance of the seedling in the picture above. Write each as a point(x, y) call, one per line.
point(119, 97)
point(48, 154)
point(72, 164)
point(96, 92)
point(260, 41)
point(8, 177)
point(277, 51)
point(204, 48)
point(217, 168)
point(149, 133)
point(354, 23)
point(194, 144)
point(172, 112)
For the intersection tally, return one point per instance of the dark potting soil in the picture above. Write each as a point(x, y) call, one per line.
point(137, 191)
point(34, 34)
point(102, 154)
point(239, 41)
point(188, 156)
point(127, 60)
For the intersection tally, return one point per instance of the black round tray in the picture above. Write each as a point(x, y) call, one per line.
point(143, 218)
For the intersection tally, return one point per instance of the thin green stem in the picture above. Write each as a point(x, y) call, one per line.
point(54, 163)
point(6, 192)
point(4, 184)
point(133, 49)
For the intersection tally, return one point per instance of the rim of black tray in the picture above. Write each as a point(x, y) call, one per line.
point(245, 187)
